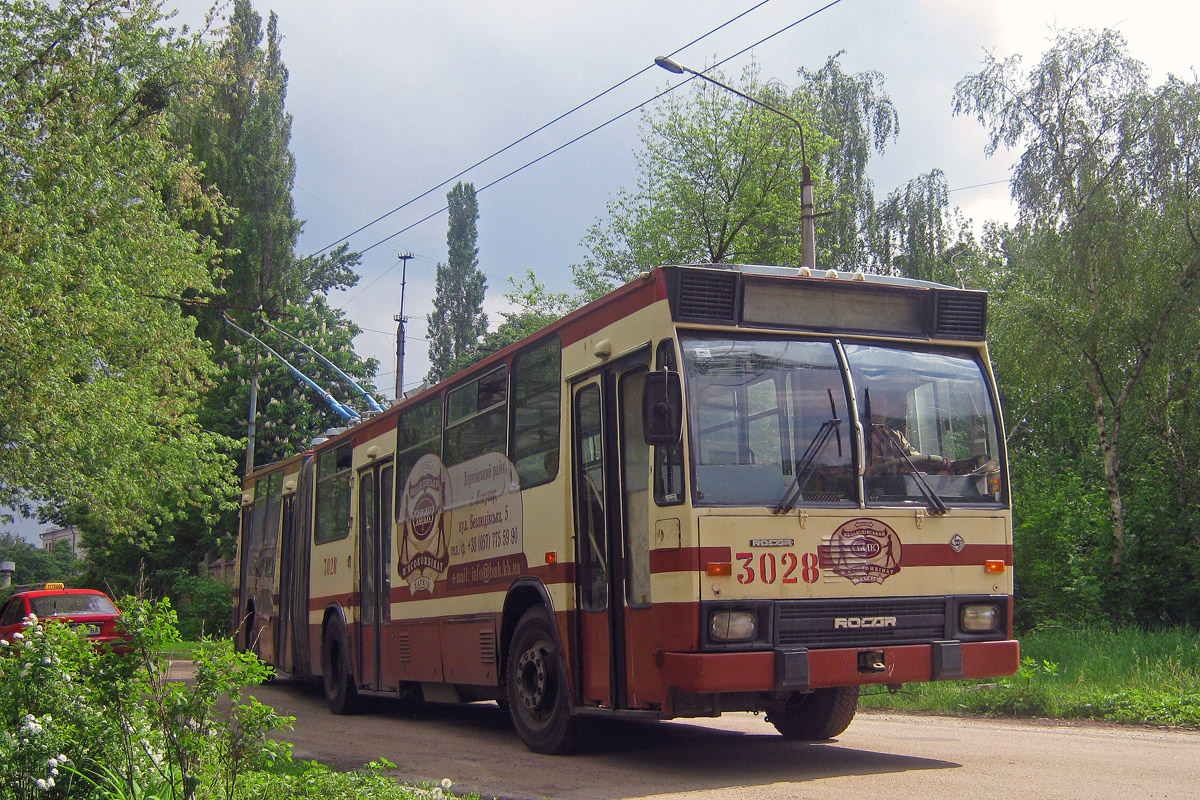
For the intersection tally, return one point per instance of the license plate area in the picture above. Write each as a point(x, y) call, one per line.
point(88, 629)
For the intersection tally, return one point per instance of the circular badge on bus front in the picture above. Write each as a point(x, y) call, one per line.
point(862, 551)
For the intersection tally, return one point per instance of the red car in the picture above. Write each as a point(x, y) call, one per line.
point(89, 612)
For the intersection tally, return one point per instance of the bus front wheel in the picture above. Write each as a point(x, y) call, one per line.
point(340, 692)
point(819, 714)
point(539, 698)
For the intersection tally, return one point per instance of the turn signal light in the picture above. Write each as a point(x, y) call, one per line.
point(718, 569)
point(994, 565)
point(552, 557)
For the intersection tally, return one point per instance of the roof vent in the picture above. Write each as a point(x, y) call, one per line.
point(707, 295)
point(960, 315)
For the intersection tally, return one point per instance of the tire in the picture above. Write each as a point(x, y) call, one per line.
point(539, 698)
point(341, 693)
point(817, 715)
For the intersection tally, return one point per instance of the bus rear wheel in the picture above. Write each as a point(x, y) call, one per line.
point(816, 715)
point(340, 692)
point(539, 698)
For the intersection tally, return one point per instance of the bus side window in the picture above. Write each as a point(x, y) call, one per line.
point(333, 494)
point(418, 433)
point(477, 418)
point(668, 461)
point(537, 394)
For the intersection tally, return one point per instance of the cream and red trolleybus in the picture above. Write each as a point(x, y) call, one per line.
point(717, 488)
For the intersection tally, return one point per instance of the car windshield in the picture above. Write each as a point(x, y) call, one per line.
point(65, 605)
point(772, 424)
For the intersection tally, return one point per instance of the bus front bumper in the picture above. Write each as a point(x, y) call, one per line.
point(801, 669)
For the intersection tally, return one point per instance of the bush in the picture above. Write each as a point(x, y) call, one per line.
point(205, 607)
point(78, 721)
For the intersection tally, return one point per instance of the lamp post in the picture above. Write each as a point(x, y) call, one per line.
point(808, 227)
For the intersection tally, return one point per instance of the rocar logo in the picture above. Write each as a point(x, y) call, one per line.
point(864, 622)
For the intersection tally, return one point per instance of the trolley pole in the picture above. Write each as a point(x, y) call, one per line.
point(401, 321)
point(808, 225)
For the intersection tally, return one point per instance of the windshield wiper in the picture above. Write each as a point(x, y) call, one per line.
point(932, 502)
point(804, 467)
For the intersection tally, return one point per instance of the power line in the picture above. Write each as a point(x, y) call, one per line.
point(525, 137)
point(976, 186)
point(602, 125)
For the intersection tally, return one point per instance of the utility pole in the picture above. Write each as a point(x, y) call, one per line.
point(401, 320)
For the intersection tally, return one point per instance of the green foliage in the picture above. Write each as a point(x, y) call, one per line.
point(102, 370)
point(241, 137)
point(80, 721)
point(539, 308)
point(1099, 283)
point(718, 180)
point(205, 606)
point(35, 565)
point(308, 779)
point(457, 321)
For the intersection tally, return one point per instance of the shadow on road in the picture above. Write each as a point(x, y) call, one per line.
point(476, 746)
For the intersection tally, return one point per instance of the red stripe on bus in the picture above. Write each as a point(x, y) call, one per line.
point(321, 603)
point(589, 319)
point(366, 431)
point(688, 559)
point(942, 555)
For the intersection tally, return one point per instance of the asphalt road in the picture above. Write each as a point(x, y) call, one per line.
point(890, 756)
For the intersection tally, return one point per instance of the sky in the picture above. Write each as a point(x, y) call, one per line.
point(391, 99)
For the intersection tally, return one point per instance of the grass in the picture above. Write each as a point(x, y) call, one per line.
point(181, 650)
point(1129, 675)
point(309, 779)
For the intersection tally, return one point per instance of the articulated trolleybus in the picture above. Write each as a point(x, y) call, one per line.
point(718, 488)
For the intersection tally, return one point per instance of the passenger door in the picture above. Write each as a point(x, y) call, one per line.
point(374, 578)
point(611, 485)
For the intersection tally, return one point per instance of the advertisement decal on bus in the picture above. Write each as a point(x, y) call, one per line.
point(462, 524)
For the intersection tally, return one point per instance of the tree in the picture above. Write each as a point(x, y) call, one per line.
point(1109, 257)
point(101, 370)
point(457, 320)
point(242, 138)
point(856, 113)
point(719, 178)
point(35, 565)
point(914, 233)
point(537, 308)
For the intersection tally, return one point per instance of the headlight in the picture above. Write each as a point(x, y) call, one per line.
point(979, 617)
point(732, 626)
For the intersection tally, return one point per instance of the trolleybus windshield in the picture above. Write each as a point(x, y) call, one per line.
point(772, 424)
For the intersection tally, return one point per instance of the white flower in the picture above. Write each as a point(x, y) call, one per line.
point(52, 763)
point(41, 784)
point(3, 642)
point(18, 636)
point(447, 783)
point(54, 772)
point(436, 793)
point(50, 782)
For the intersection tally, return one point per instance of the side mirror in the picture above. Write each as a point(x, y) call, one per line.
point(662, 409)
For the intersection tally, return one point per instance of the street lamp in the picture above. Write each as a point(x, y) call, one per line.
point(808, 228)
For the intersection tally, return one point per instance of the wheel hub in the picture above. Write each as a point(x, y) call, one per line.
point(531, 678)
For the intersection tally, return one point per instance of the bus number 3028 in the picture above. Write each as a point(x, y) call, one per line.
point(787, 568)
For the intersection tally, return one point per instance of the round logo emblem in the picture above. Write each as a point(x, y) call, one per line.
point(862, 551)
